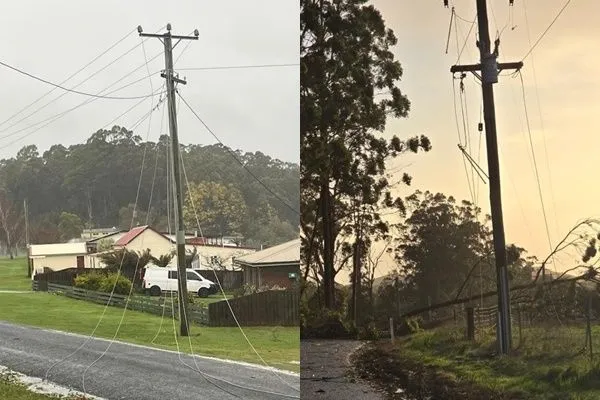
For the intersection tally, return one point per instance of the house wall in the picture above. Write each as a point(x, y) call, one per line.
point(157, 243)
point(57, 263)
point(226, 254)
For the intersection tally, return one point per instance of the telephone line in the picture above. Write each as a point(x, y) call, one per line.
point(81, 83)
point(236, 158)
point(546, 30)
point(71, 90)
point(238, 67)
point(70, 77)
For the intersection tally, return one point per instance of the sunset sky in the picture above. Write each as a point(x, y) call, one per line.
point(568, 85)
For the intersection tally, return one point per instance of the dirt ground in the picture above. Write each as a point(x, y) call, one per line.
point(402, 379)
point(326, 372)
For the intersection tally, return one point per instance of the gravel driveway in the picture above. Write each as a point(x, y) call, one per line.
point(325, 372)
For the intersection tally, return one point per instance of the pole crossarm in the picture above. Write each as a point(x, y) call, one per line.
point(477, 67)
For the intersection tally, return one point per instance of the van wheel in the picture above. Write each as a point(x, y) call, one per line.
point(203, 292)
point(155, 291)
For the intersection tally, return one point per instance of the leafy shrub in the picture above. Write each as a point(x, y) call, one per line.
point(89, 281)
point(327, 325)
point(369, 332)
point(122, 286)
point(414, 324)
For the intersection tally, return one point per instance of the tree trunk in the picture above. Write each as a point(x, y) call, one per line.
point(328, 247)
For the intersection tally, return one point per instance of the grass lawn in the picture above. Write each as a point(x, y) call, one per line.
point(13, 390)
point(13, 274)
point(277, 345)
point(550, 363)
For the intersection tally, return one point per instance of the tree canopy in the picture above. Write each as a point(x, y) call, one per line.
point(349, 87)
point(97, 182)
point(445, 247)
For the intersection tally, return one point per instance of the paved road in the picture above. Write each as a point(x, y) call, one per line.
point(325, 372)
point(134, 372)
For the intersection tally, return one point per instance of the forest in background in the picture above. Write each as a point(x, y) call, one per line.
point(95, 184)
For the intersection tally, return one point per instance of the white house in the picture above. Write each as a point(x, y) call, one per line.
point(58, 256)
point(217, 254)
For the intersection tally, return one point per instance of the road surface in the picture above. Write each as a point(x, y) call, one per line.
point(134, 372)
point(325, 372)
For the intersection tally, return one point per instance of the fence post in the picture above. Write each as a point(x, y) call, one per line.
point(470, 323)
point(520, 322)
point(392, 329)
point(589, 327)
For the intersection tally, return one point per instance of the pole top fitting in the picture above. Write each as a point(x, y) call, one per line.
point(169, 27)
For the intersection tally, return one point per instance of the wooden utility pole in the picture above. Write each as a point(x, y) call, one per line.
point(26, 212)
point(489, 68)
point(171, 79)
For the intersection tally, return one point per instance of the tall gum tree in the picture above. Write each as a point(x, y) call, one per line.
point(349, 87)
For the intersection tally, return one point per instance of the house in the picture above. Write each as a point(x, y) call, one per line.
point(114, 237)
point(278, 265)
point(223, 256)
point(58, 256)
point(141, 238)
point(90, 234)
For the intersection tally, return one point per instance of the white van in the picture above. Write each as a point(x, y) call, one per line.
point(157, 279)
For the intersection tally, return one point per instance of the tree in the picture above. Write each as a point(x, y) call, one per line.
point(105, 244)
point(445, 251)
point(346, 63)
point(70, 226)
point(440, 242)
point(99, 180)
point(220, 208)
point(11, 220)
point(128, 262)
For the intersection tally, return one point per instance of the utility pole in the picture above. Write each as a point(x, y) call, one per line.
point(169, 75)
point(26, 212)
point(489, 68)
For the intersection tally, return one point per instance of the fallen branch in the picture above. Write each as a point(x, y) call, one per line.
point(587, 275)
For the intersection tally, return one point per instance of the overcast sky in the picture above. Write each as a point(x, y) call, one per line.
point(568, 84)
point(254, 109)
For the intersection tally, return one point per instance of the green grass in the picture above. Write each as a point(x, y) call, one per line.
point(13, 274)
point(548, 364)
point(13, 390)
point(277, 345)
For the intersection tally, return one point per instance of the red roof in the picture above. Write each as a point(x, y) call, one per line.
point(132, 234)
point(197, 241)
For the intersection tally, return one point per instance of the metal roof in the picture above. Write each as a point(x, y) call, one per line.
point(56, 249)
point(285, 253)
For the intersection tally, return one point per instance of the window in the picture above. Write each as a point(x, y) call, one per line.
point(192, 276)
point(172, 274)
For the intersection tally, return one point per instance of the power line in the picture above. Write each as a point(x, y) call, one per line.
point(547, 29)
point(539, 108)
point(77, 85)
point(238, 67)
point(236, 158)
point(459, 138)
point(60, 115)
point(55, 118)
point(537, 175)
point(69, 78)
point(56, 85)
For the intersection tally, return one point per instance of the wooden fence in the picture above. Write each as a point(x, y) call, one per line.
point(152, 305)
point(230, 280)
point(273, 307)
point(64, 277)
